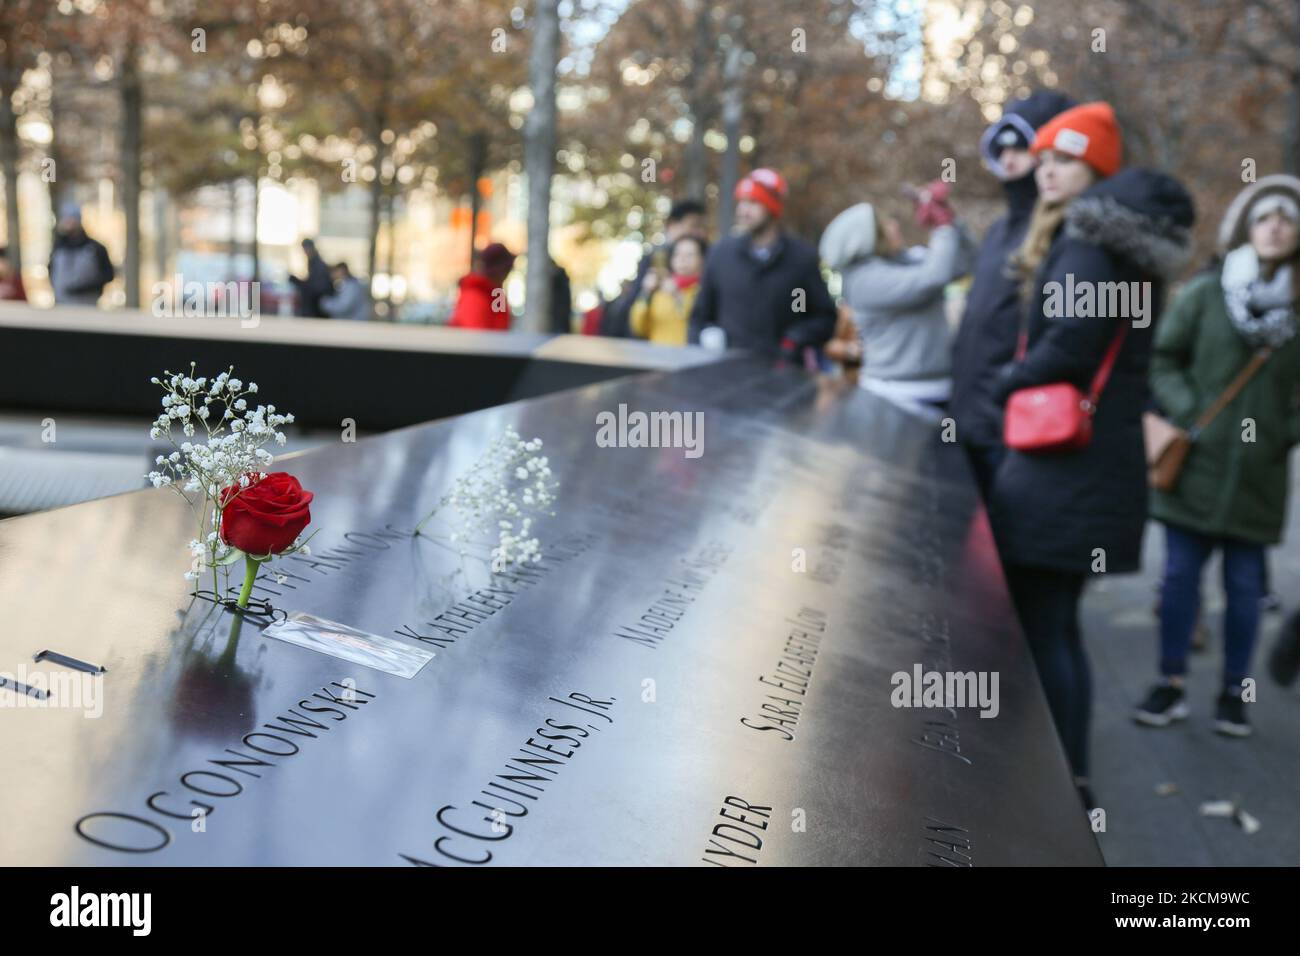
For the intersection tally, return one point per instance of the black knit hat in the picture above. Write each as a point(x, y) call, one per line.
point(1019, 121)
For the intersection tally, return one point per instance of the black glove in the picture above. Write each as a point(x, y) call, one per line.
point(1005, 382)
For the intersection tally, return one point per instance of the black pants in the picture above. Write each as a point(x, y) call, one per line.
point(984, 460)
point(1047, 603)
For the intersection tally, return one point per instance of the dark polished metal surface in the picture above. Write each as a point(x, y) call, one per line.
point(660, 748)
point(83, 360)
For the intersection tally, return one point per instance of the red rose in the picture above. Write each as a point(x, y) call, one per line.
point(265, 517)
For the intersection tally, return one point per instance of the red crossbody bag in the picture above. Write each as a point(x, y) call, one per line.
point(1056, 417)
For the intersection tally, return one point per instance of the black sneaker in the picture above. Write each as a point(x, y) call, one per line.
point(1163, 706)
point(1230, 715)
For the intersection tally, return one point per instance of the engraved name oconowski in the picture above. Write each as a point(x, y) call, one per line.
point(129, 833)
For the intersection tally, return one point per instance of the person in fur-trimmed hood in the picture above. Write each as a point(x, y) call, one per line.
point(1231, 494)
point(1060, 516)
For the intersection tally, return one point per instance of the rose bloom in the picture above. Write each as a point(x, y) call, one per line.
point(267, 516)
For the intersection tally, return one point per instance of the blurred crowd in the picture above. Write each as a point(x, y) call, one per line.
point(1090, 382)
point(1089, 391)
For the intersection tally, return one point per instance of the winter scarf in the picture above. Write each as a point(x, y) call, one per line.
point(1262, 312)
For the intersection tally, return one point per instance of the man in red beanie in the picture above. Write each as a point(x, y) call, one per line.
point(762, 286)
point(482, 303)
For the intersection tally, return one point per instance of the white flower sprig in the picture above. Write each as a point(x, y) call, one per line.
point(230, 451)
point(502, 492)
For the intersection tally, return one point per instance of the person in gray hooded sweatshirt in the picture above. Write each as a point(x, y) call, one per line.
point(897, 296)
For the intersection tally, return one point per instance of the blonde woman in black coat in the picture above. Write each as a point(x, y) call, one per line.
point(1060, 516)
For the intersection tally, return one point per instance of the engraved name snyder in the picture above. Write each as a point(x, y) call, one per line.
point(952, 840)
point(743, 826)
point(680, 591)
point(540, 759)
point(129, 833)
point(791, 675)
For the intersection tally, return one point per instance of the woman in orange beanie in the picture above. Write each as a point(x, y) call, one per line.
point(1099, 246)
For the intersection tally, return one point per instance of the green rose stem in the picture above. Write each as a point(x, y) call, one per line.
point(250, 575)
point(227, 658)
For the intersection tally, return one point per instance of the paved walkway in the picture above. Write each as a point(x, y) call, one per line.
point(1261, 773)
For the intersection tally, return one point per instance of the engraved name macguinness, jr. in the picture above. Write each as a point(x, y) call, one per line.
point(538, 763)
point(780, 712)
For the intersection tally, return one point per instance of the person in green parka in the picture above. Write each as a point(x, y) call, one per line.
point(1231, 495)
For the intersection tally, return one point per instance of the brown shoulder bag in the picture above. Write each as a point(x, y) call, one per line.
point(1167, 445)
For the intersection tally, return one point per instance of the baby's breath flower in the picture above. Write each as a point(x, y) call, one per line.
point(508, 480)
point(227, 447)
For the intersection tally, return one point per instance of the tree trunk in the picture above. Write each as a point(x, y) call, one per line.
point(539, 162)
point(477, 166)
point(255, 117)
point(733, 110)
point(376, 204)
point(391, 252)
point(161, 237)
point(696, 159)
point(1291, 139)
point(131, 147)
point(60, 170)
point(257, 200)
point(232, 266)
point(9, 166)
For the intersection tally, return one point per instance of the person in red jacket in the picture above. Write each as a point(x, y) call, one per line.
point(11, 282)
point(482, 303)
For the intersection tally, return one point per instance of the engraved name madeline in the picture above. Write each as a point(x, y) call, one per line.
point(680, 591)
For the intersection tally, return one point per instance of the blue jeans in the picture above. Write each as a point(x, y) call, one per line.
point(1244, 583)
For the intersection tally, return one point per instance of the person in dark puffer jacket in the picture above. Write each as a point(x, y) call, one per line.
point(1061, 515)
point(986, 338)
point(762, 286)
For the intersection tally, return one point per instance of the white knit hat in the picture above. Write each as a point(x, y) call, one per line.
point(1234, 230)
point(850, 237)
